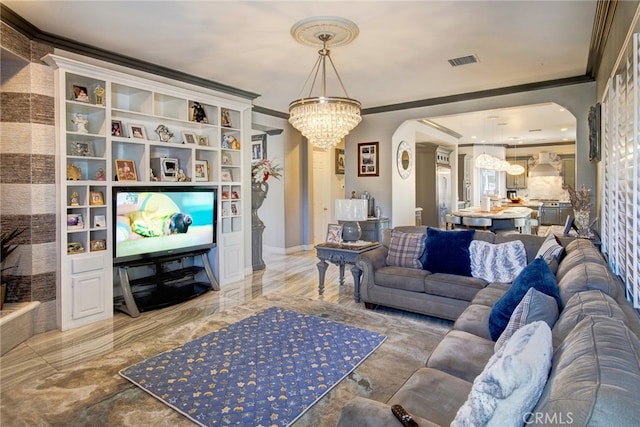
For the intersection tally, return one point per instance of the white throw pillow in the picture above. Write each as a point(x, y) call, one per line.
point(512, 381)
point(497, 262)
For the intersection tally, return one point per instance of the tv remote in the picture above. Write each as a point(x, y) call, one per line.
point(403, 416)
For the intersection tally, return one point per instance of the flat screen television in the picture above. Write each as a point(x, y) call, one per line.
point(152, 222)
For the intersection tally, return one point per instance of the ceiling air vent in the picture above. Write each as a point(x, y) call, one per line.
point(463, 60)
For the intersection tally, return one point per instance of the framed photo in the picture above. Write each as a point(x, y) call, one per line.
point(202, 170)
point(594, 132)
point(334, 233)
point(98, 245)
point(96, 198)
point(80, 93)
point(226, 159)
point(368, 159)
point(99, 221)
point(225, 175)
point(189, 137)
point(339, 161)
point(259, 147)
point(74, 248)
point(234, 195)
point(126, 170)
point(116, 128)
point(234, 209)
point(137, 131)
point(203, 140)
point(80, 148)
point(225, 195)
point(75, 222)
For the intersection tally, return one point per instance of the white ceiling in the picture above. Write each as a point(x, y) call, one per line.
point(399, 56)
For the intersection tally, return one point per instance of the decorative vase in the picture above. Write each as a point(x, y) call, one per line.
point(258, 194)
point(582, 222)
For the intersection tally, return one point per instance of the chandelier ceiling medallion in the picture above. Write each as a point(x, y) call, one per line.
point(323, 119)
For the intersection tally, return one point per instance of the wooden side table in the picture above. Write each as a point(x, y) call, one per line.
point(341, 254)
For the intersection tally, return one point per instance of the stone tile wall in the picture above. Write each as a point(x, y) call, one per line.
point(28, 170)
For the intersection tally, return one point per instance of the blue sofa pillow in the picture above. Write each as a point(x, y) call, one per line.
point(448, 251)
point(536, 275)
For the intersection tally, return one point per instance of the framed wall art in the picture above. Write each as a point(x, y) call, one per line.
point(594, 119)
point(368, 159)
point(259, 147)
point(339, 161)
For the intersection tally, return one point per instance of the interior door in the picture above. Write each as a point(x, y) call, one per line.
point(321, 194)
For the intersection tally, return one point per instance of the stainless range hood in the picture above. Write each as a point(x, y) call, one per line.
point(544, 166)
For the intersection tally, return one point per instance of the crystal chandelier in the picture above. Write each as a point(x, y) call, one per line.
point(323, 119)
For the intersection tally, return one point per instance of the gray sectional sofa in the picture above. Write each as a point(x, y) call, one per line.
point(594, 378)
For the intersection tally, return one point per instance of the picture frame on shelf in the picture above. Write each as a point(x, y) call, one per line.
point(137, 131)
point(234, 209)
point(98, 245)
point(334, 233)
point(225, 159)
point(80, 148)
point(80, 93)
point(75, 221)
point(225, 195)
point(189, 137)
point(234, 195)
point(96, 198)
point(368, 159)
point(126, 170)
point(116, 128)
point(202, 170)
point(225, 118)
point(203, 140)
point(74, 248)
point(225, 175)
point(339, 161)
point(99, 221)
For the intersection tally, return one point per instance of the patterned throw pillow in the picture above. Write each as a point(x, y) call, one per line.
point(534, 306)
point(405, 249)
point(551, 251)
point(497, 262)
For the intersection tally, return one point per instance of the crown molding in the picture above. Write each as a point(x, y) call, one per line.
point(18, 23)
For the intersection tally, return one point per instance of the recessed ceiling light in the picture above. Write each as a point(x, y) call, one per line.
point(563, 129)
point(473, 137)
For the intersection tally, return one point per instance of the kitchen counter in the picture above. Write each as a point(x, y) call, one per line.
point(501, 218)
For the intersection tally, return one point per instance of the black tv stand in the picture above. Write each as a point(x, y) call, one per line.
point(164, 287)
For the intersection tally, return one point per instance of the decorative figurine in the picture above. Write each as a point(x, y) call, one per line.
point(99, 92)
point(75, 199)
point(198, 113)
point(230, 142)
point(81, 123)
point(152, 177)
point(74, 173)
point(181, 177)
point(100, 175)
point(164, 133)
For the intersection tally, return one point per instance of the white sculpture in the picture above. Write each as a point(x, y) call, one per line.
point(81, 123)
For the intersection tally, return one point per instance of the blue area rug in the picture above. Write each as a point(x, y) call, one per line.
point(265, 370)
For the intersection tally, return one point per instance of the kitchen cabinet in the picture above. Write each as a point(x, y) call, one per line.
point(569, 171)
point(517, 182)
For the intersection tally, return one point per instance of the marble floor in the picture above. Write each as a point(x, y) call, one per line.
point(65, 372)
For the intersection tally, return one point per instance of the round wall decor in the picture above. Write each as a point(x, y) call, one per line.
point(404, 159)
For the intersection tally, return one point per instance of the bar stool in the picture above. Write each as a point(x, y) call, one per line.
point(519, 224)
point(451, 221)
point(476, 222)
point(534, 222)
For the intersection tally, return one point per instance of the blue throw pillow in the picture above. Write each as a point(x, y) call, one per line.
point(536, 275)
point(448, 251)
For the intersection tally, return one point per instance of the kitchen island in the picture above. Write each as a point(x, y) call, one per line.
point(501, 217)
